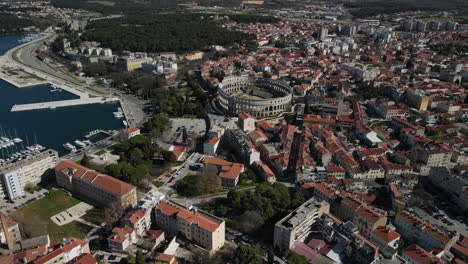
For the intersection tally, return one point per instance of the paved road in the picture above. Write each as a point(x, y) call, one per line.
point(27, 55)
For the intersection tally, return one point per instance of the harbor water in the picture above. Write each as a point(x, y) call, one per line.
point(49, 127)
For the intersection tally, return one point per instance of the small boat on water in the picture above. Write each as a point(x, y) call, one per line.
point(125, 123)
point(17, 140)
point(69, 147)
point(79, 143)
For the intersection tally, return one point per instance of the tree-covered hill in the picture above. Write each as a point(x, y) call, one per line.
point(180, 32)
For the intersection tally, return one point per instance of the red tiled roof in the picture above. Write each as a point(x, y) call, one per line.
point(85, 259)
point(154, 234)
point(103, 181)
point(369, 214)
point(229, 170)
point(8, 222)
point(164, 257)
point(244, 116)
point(386, 233)
point(131, 130)
point(212, 140)
point(134, 216)
point(419, 255)
point(188, 216)
point(119, 235)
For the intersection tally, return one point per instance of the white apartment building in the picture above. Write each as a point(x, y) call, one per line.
point(15, 176)
point(296, 225)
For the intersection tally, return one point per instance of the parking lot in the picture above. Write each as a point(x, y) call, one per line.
point(8, 206)
point(196, 126)
point(445, 215)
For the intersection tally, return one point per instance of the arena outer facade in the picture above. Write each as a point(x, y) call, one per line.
point(257, 107)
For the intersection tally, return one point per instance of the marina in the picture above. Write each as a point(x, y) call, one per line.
point(55, 104)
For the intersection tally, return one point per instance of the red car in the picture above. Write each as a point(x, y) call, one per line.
point(172, 179)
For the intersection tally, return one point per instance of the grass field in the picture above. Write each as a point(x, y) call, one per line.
point(34, 218)
point(95, 216)
point(100, 153)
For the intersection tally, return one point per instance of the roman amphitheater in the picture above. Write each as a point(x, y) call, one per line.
point(259, 97)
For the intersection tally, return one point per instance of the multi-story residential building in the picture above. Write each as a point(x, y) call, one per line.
point(138, 219)
point(336, 172)
point(121, 238)
point(72, 249)
point(96, 188)
point(453, 184)
point(386, 239)
point(228, 171)
point(389, 111)
point(367, 135)
point(17, 175)
point(210, 146)
point(9, 232)
point(133, 131)
point(162, 258)
point(267, 174)
point(425, 235)
point(347, 208)
point(246, 122)
point(242, 147)
point(425, 158)
point(416, 255)
point(345, 236)
point(204, 229)
point(373, 169)
point(131, 63)
point(368, 219)
point(296, 226)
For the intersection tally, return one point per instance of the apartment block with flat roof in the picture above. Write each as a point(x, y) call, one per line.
point(296, 226)
point(16, 175)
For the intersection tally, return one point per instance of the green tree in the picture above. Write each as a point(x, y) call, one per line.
point(169, 156)
point(159, 122)
point(246, 254)
point(271, 255)
point(295, 258)
point(140, 259)
point(296, 200)
point(86, 160)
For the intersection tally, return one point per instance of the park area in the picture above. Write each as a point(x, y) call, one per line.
point(34, 218)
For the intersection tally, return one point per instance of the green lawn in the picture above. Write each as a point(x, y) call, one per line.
point(35, 217)
point(95, 216)
point(101, 152)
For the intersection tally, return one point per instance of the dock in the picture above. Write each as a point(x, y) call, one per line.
point(63, 103)
point(97, 131)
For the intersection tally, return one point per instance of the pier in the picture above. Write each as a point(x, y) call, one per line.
point(97, 131)
point(55, 104)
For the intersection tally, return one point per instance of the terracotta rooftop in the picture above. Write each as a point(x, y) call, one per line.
point(85, 259)
point(386, 233)
point(164, 257)
point(103, 181)
point(420, 256)
point(244, 116)
point(132, 130)
point(188, 216)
